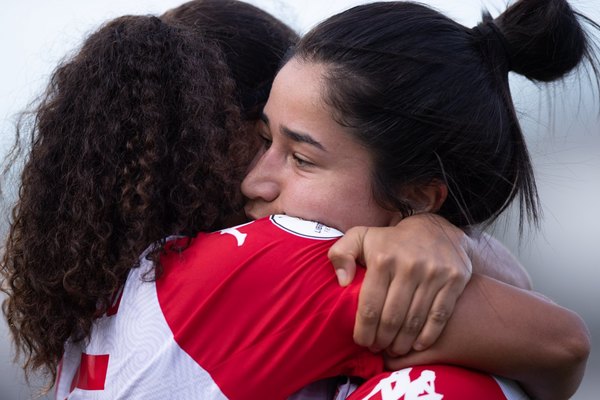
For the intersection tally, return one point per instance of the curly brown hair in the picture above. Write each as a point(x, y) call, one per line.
point(138, 136)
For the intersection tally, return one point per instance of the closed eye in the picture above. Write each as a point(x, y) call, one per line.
point(266, 141)
point(301, 162)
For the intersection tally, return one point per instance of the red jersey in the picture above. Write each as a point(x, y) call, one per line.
point(249, 312)
point(437, 382)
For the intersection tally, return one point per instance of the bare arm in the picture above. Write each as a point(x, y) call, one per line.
point(496, 327)
point(416, 271)
point(491, 258)
point(514, 333)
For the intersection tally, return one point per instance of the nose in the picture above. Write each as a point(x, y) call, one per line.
point(262, 183)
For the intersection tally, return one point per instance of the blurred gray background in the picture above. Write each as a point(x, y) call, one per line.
point(561, 123)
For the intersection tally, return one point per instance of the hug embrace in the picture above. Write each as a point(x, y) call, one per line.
point(162, 246)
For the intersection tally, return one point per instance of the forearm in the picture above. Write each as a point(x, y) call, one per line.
point(491, 258)
point(514, 333)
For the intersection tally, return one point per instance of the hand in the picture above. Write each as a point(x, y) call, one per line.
point(416, 271)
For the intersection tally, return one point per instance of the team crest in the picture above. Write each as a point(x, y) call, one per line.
point(398, 386)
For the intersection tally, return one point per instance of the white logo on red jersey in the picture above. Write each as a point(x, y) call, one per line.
point(399, 386)
point(305, 228)
point(239, 236)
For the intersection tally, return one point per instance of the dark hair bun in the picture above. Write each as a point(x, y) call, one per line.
point(544, 39)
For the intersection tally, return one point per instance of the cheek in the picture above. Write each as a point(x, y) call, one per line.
point(332, 202)
point(353, 204)
point(305, 200)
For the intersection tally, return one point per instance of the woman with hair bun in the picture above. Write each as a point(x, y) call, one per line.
point(390, 109)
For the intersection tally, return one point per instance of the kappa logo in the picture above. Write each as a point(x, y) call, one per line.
point(239, 236)
point(398, 386)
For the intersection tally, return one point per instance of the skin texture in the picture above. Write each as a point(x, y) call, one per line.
point(309, 167)
point(400, 252)
point(396, 257)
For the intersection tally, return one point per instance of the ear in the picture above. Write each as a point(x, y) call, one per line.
point(426, 197)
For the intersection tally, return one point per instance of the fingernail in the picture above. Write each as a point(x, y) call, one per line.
point(342, 276)
point(418, 347)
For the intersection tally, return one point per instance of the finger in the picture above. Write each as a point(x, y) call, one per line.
point(344, 253)
point(415, 317)
point(345, 269)
point(441, 310)
point(370, 305)
point(393, 363)
point(399, 298)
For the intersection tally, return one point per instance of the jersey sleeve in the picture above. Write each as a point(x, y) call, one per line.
point(259, 307)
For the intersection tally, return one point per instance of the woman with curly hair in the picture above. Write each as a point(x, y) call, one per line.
point(144, 133)
point(140, 135)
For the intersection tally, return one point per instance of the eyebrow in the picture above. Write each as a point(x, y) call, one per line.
point(296, 136)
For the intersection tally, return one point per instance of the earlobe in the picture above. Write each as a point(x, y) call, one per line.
point(440, 194)
point(426, 197)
